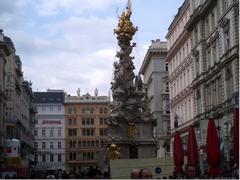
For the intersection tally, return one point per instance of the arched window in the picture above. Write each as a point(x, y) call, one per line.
point(69, 110)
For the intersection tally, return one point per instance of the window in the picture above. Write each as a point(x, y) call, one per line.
point(43, 157)
point(51, 157)
point(214, 52)
point(105, 110)
point(59, 145)
point(83, 110)
point(79, 144)
point(51, 108)
point(43, 145)
point(101, 121)
point(101, 110)
point(229, 81)
point(226, 37)
point(43, 132)
point(167, 87)
point(51, 132)
point(35, 145)
point(103, 132)
point(196, 35)
point(72, 132)
point(74, 110)
point(35, 158)
point(213, 19)
point(83, 121)
point(88, 132)
point(74, 121)
point(166, 66)
point(92, 121)
point(92, 143)
point(92, 111)
point(197, 65)
point(207, 26)
point(59, 132)
point(59, 108)
point(36, 121)
point(87, 121)
point(35, 132)
point(209, 59)
point(224, 5)
point(69, 110)
point(59, 158)
point(51, 145)
point(72, 156)
point(43, 108)
point(70, 121)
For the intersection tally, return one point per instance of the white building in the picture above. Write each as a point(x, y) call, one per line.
point(214, 25)
point(49, 130)
point(155, 72)
point(180, 72)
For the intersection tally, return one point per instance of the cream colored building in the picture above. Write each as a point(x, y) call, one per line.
point(85, 127)
point(180, 64)
point(214, 26)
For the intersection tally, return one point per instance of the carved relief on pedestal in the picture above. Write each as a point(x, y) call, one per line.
point(132, 130)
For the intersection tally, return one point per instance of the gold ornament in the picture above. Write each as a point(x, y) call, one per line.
point(132, 130)
point(113, 152)
point(125, 27)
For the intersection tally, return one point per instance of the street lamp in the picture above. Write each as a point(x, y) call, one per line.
point(227, 141)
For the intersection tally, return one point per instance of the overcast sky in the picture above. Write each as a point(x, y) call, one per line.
point(69, 44)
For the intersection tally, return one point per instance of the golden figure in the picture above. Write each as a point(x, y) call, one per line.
point(132, 130)
point(113, 152)
point(125, 27)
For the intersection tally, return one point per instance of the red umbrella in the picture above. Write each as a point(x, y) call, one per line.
point(213, 150)
point(192, 152)
point(178, 155)
point(236, 136)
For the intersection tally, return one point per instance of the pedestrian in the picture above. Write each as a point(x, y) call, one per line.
point(135, 174)
point(145, 174)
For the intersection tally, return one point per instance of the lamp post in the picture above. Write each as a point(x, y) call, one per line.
point(227, 141)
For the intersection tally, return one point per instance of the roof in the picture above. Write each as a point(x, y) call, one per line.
point(176, 18)
point(9, 41)
point(156, 47)
point(49, 97)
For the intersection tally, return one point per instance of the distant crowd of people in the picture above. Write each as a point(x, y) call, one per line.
point(90, 173)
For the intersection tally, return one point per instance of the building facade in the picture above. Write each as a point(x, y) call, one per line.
point(214, 27)
point(13, 80)
point(4, 52)
point(85, 127)
point(27, 124)
point(155, 72)
point(49, 130)
point(180, 65)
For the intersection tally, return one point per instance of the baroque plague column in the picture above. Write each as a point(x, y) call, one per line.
point(130, 121)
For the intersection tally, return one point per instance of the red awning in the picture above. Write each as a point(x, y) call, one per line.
point(192, 150)
point(236, 136)
point(178, 155)
point(213, 150)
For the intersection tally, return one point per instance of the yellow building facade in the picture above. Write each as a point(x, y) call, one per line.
point(85, 130)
